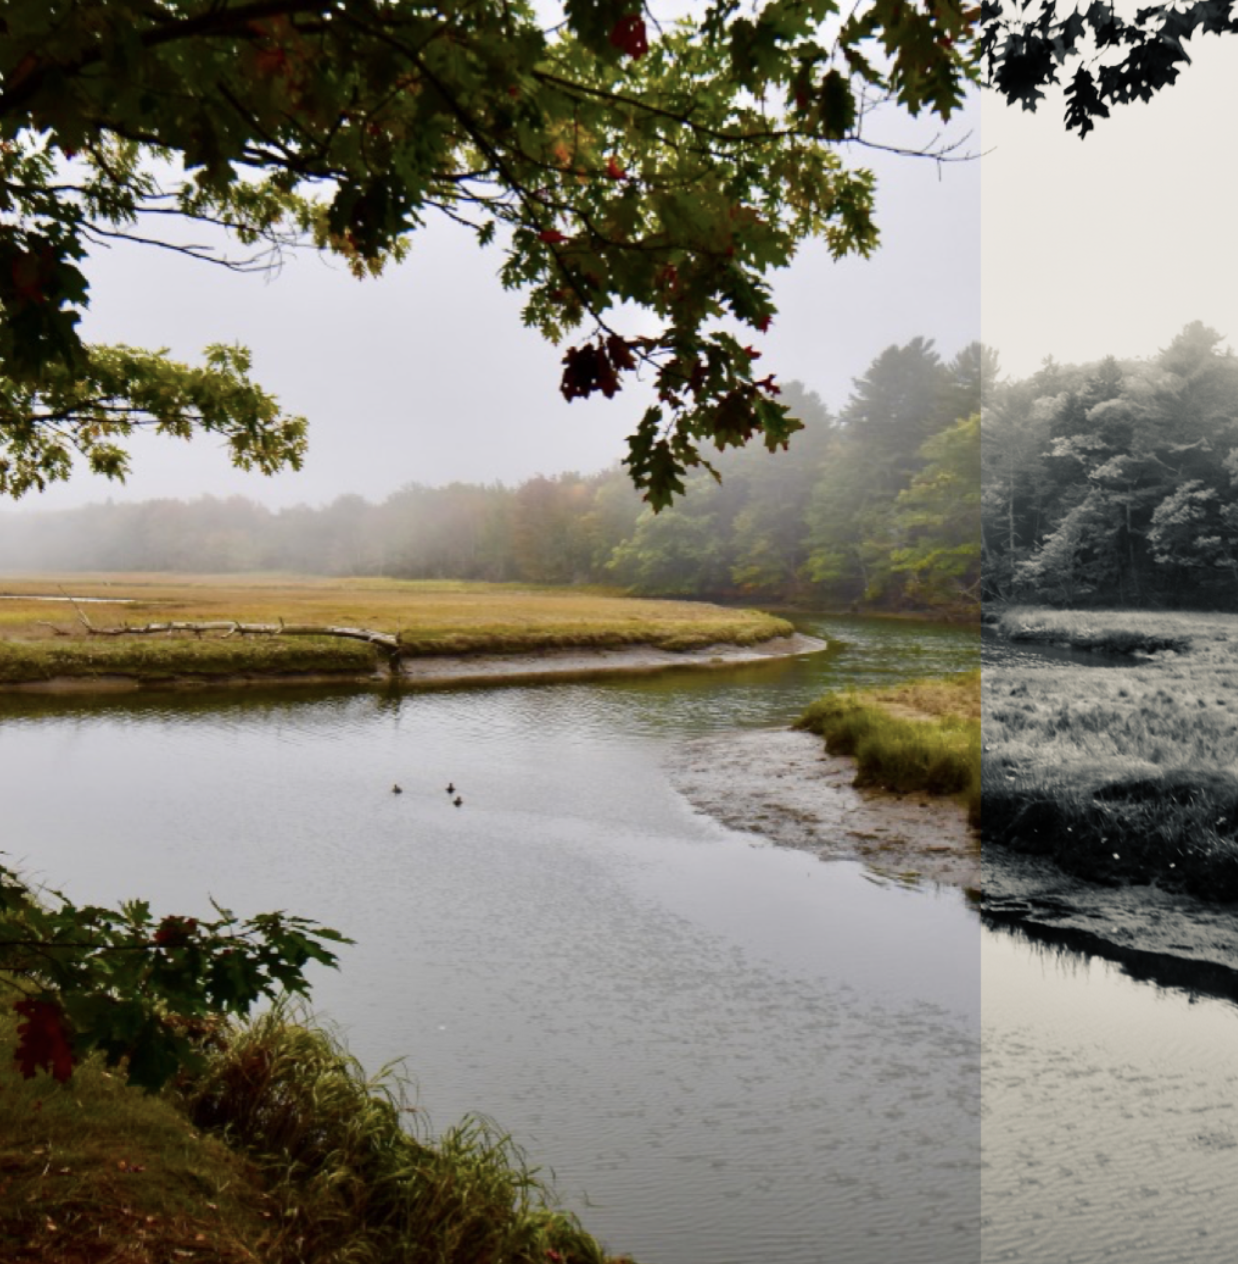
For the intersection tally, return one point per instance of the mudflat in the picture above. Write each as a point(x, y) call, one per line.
point(785, 787)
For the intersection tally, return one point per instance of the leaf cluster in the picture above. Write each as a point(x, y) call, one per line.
point(623, 163)
point(1110, 60)
point(135, 987)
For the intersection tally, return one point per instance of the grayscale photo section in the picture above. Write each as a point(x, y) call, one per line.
point(1110, 659)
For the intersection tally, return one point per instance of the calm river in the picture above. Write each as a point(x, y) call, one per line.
point(724, 1051)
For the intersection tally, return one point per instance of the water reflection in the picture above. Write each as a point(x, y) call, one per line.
point(1110, 1112)
point(1072, 949)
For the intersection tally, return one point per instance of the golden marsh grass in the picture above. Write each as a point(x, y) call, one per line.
point(43, 638)
point(923, 735)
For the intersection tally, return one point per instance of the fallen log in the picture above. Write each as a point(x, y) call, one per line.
point(231, 627)
point(390, 642)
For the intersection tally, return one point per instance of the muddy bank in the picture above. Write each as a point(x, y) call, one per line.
point(582, 664)
point(447, 670)
point(783, 786)
point(1163, 935)
point(117, 682)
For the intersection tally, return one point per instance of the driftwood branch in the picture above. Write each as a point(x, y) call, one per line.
point(230, 627)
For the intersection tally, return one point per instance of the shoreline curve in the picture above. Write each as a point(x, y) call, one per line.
point(453, 670)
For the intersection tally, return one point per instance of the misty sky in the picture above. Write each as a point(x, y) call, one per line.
point(427, 375)
point(1110, 245)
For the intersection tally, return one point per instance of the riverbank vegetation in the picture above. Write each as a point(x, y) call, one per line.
point(920, 736)
point(41, 639)
point(279, 1150)
point(1120, 773)
point(875, 507)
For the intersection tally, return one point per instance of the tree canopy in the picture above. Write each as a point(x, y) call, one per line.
point(641, 177)
point(1103, 59)
point(1115, 481)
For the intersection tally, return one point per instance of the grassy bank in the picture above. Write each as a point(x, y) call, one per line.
point(919, 736)
point(152, 658)
point(41, 639)
point(320, 1164)
point(1120, 773)
point(1112, 631)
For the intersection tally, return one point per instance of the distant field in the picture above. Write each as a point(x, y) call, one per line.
point(1130, 772)
point(40, 638)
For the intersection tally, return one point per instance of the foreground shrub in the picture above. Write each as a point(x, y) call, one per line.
point(354, 1183)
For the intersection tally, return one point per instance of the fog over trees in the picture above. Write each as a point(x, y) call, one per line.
point(875, 506)
point(1116, 481)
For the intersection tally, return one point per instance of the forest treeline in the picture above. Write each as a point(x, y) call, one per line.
point(1116, 482)
point(876, 507)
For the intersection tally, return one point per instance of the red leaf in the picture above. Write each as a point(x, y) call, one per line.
point(620, 353)
point(588, 369)
point(27, 273)
point(628, 35)
point(763, 324)
point(552, 236)
point(614, 170)
point(174, 931)
point(42, 1042)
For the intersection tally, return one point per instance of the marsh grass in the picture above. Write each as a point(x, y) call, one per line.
point(1117, 773)
point(432, 618)
point(282, 1152)
point(162, 658)
point(920, 736)
point(340, 1154)
point(1117, 631)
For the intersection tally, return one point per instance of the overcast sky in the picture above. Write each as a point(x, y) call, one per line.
point(1113, 243)
point(427, 375)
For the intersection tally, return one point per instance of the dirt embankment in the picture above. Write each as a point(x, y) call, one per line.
point(582, 663)
point(1161, 934)
point(449, 670)
point(785, 787)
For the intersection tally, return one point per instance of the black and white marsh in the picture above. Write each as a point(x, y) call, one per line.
point(998, 651)
point(1110, 1007)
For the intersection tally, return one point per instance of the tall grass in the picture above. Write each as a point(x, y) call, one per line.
point(281, 1152)
point(921, 736)
point(354, 1184)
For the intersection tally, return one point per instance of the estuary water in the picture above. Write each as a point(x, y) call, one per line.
point(724, 1051)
